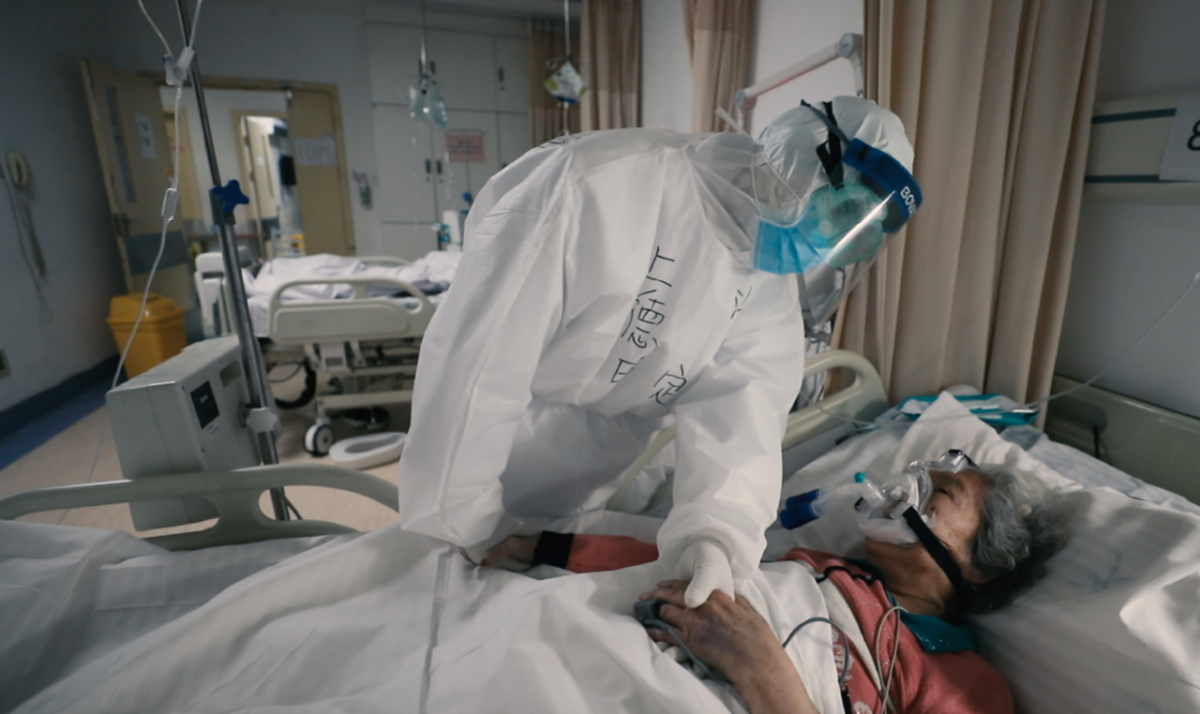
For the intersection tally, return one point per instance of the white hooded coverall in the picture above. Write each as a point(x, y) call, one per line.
point(605, 285)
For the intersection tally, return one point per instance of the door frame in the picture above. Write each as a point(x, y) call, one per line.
point(244, 169)
point(286, 86)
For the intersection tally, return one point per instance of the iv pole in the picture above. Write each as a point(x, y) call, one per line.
point(252, 361)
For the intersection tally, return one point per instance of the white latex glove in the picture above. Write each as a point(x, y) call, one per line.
point(706, 564)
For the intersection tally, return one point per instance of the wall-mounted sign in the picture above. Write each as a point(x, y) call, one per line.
point(317, 152)
point(465, 147)
point(1181, 159)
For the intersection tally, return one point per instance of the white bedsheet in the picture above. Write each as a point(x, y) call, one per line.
point(98, 621)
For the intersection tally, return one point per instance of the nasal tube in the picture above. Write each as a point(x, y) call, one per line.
point(808, 507)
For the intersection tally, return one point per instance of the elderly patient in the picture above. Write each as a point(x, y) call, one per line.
point(998, 527)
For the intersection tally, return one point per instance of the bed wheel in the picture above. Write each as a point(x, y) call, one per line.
point(318, 439)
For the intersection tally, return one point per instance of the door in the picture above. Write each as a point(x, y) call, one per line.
point(131, 140)
point(320, 164)
point(258, 170)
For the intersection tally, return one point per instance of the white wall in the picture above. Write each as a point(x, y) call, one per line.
point(1132, 260)
point(786, 31)
point(44, 114)
point(666, 71)
point(790, 30)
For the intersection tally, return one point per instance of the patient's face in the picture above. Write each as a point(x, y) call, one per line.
point(957, 501)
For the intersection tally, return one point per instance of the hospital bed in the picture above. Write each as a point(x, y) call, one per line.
point(367, 342)
point(300, 605)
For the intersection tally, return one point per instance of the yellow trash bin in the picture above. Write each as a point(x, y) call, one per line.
point(161, 335)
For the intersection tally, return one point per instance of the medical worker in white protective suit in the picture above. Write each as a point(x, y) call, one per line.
point(613, 279)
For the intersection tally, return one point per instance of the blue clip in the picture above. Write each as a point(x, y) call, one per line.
point(230, 195)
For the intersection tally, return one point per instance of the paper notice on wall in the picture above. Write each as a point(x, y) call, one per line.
point(466, 148)
point(317, 152)
point(1181, 158)
point(145, 136)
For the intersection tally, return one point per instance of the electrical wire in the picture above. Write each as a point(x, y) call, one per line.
point(166, 47)
point(162, 244)
point(195, 23)
point(299, 366)
point(27, 239)
point(885, 703)
point(287, 502)
point(705, 670)
point(845, 673)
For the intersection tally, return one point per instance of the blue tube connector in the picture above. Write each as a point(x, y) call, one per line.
point(799, 510)
point(808, 507)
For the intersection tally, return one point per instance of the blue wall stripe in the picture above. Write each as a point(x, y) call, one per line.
point(31, 423)
point(1134, 116)
point(1128, 178)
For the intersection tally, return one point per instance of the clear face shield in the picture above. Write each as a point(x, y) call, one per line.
point(831, 236)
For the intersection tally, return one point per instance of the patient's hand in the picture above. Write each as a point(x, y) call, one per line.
point(730, 636)
point(518, 548)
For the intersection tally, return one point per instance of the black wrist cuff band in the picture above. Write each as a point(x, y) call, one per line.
point(553, 549)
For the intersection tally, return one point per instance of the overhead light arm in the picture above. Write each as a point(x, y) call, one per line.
point(849, 47)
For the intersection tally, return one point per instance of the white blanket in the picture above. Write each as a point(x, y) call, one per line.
point(385, 621)
point(435, 267)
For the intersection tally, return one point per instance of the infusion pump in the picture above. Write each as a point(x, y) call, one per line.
point(185, 415)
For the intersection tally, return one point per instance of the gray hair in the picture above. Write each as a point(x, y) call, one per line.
point(1022, 525)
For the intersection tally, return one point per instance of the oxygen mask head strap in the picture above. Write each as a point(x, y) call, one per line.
point(953, 461)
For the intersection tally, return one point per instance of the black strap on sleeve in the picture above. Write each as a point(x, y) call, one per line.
point(553, 549)
point(963, 589)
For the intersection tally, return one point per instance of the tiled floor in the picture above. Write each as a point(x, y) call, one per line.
point(67, 459)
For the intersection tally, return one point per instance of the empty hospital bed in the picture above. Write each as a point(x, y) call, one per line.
point(304, 615)
point(358, 322)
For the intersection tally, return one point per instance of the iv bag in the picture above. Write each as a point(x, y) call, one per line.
point(566, 84)
point(425, 102)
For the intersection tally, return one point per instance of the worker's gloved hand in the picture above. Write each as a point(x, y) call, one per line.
point(706, 564)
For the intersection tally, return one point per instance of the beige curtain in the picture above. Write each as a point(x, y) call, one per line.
point(996, 96)
point(720, 36)
point(611, 53)
point(547, 49)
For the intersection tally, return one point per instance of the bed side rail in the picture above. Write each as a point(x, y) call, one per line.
point(863, 399)
point(361, 317)
point(234, 494)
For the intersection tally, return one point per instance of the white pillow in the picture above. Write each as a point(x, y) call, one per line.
point(1115, 625)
